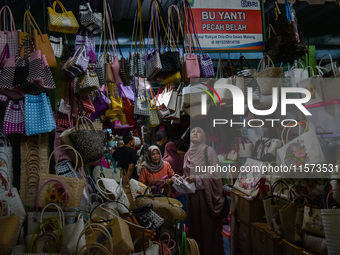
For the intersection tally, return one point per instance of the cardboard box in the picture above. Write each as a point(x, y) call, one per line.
point(264, 241)
point(245, 208)
point(293, 249)
point(240, 238)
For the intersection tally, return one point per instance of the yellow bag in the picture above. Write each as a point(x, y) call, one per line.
point(64, 22)
point(172, 78)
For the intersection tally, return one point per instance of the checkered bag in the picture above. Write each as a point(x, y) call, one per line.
point(39, 71)
point(38, 115)
point(153, 64)
point(140, 60)
point(10, 36)
point(64, 22)
point(57, 46)
point(78, 64)
point(65, 168)
point(142, 106)
point(14, 120)
point(100, 69)
point(92, 21)
point(87, 40)
point(206, 66)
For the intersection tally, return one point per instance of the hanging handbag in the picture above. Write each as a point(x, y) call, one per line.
point(128, 108)
point(86, 83)
point(9, 36)
point(192, 67)
point(41, 41)
point(141, 106)
point(83, 38)
point(39, 72)
point(64, 22)
point(115, 64)
point(38, 115)
point(89, 142)
point(57, 45)
point(153, 119)
point(101, 104)
point(153, 62)
point(92, 21)
point(78, 64)
point(14, 119)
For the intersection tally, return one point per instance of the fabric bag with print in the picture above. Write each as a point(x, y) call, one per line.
point(302, 150)
point(247, 181)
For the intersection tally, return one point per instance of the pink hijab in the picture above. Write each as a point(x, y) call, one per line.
point(212, 186)
point(171, 156)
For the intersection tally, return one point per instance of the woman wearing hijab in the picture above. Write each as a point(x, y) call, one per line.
point(205, 205)
point(154, 167)
point(171, 156)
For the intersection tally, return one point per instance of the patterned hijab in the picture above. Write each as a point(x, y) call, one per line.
point(149, 164)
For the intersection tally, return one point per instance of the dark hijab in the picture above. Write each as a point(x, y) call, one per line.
point(173, 158)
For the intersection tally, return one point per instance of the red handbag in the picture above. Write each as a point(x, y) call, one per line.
point(128, 107)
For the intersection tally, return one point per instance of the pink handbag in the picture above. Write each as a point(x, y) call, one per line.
point(14, 119)
point(116, 64)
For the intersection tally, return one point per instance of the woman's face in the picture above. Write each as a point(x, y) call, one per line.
point(155, 156)
point(196, 135)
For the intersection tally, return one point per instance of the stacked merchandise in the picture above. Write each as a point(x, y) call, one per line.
point(67, 206)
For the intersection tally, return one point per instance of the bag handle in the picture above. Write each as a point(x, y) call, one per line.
point(60, 212)
point(331, 62)
point(171, 25)
point(309, 68)
point(263, 65)
point(111, 29)
point(83, 120)
point(6, 142)
point(32, 23)
point(108, 156)
point(77, 155)
point(95, 227)
point(44, 184)
point(11, 19)
point(61, 6)
point(288, 130)
point(324, 190)
point(239, 65)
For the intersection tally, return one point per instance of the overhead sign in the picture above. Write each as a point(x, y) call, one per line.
point(228, 24)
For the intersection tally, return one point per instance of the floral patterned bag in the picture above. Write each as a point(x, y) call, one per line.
point(302, 150)
point(247, 181)
point(312, 219)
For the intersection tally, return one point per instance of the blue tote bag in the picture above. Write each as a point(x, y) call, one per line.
point(39, 117)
